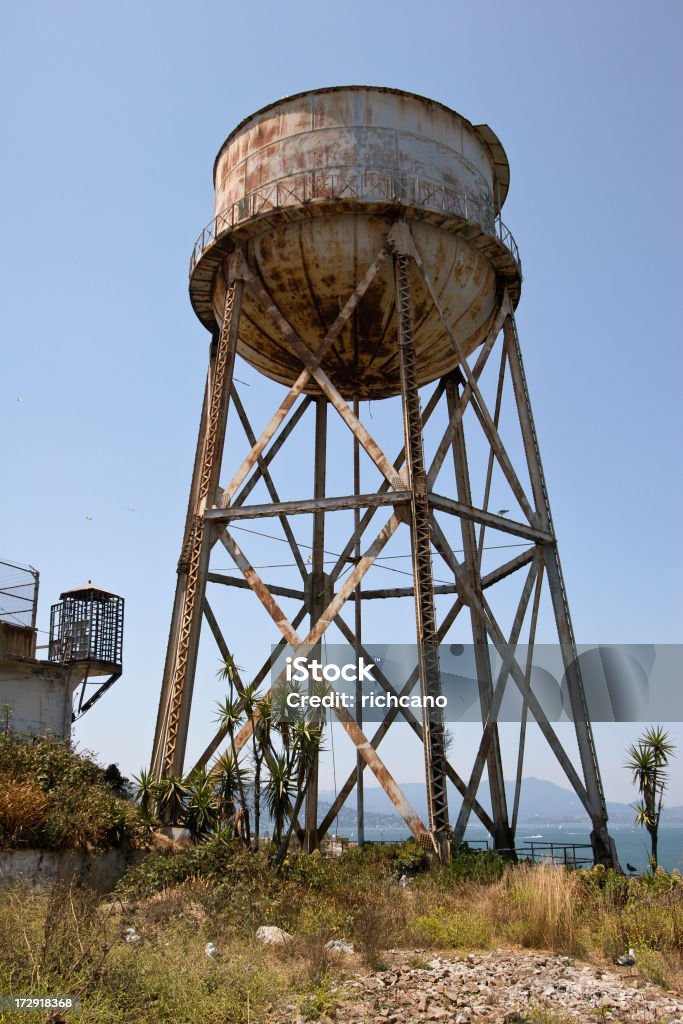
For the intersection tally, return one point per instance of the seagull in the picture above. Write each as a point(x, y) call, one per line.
point(131, 936)
point(628, 960)
point(403, 881)
point(212, 952)
point(631, 868)
point(502, 511)
point(128, 508)
point(18, 399)
point(89, 518)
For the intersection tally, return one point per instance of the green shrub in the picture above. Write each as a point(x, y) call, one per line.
point(480, 866)
point(388, 859)
point(55, 798)
point(217, 859)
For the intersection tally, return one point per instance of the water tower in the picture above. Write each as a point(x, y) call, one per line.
point(357, 252)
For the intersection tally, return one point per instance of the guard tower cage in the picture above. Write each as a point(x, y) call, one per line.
point(18, 607)
point(86, 631)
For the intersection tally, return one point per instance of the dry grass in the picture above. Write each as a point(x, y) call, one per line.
point(24, 809)
point(539, 907)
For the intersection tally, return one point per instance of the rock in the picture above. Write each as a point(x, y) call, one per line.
point(194, 912)
point(271, 935)
point(502, 985)
point(339, 946)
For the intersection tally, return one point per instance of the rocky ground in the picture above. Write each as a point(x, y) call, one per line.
point(501, 987)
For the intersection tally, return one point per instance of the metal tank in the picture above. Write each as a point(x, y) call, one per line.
point(312, 184)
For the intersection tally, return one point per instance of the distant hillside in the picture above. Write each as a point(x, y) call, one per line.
point(541, 801)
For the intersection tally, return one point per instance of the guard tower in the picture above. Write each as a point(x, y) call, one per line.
point(357, 252)
point(86, 633)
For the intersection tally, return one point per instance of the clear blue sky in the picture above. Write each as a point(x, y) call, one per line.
point(112, 117)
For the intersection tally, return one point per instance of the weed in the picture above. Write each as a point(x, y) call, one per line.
point(540, 907)
point(546, 1015)
point(458, 929)
point(320, 1000)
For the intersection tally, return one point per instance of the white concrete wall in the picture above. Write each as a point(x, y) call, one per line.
point(39, 694)
point(100, 871)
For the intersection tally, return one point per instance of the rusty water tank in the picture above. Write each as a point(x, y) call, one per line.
point(312, 184)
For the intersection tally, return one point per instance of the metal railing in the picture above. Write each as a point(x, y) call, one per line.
point(339, 184)
point(18, 593)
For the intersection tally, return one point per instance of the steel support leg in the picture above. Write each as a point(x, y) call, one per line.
point(430, 681)
point(358, 631)
point(317, 595)
point(173, 718)
point(503, 838)
point(604, 849)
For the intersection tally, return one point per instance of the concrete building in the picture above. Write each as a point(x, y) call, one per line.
point(38, 693)
point(86, 629)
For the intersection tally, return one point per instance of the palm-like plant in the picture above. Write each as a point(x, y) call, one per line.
point(306, 745)
point(171, 793)
point(280, 791)
point(231, 717)
point(258, 711)
point(201, 806)
point(230, 778)
point(145, 790)
point(230, 671)
point(648, 761)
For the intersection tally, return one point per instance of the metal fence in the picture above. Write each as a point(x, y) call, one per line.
point(18, 593)
point(361, 185)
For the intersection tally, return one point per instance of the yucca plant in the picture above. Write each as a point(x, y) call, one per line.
point(230, 779)
point(230, 717)
point(230, 671)
point(258, 710)
point(201, 812)
point(648, 761)
point(280, 791)
point(172, 794)
point(145, 791)
point(306, 739)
